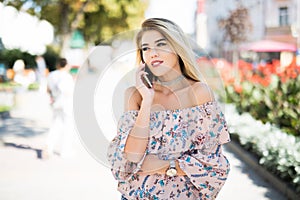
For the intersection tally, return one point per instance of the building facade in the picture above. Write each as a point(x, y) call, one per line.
point(216, 10)
point(282, 20)
point(276, 20)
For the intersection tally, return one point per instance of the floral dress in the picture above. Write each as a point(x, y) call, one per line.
point(193, 136)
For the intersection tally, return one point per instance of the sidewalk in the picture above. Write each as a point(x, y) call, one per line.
point(25, 176)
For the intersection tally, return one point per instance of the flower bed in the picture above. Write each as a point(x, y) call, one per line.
point(277, 151)
point(270, 93)
point(263, 113)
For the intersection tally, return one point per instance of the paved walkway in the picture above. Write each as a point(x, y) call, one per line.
point(24, 176)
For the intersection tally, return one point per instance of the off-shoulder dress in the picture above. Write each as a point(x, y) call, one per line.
point(193, 136)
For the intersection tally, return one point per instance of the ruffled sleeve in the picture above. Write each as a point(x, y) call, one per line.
point(204, 162)
point(121, 168)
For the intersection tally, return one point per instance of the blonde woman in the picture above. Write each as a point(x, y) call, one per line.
point(170, 136)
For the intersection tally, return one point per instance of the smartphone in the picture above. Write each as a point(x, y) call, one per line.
point(148, 79)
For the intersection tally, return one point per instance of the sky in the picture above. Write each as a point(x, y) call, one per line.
point(24, 31)
point(182, 12)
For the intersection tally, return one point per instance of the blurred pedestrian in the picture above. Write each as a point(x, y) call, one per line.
point(170, 136)
point(41, 73)
point(20, 75)
point(61, 134)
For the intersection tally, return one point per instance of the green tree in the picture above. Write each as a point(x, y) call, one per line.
point(98, 20)
point(8, 58)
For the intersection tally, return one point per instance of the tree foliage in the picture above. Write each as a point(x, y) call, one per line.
point(98, 20)
point(8, 58)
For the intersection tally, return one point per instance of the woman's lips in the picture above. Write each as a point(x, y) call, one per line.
point(156, 63)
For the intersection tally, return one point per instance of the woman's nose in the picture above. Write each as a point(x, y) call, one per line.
point(153, 53)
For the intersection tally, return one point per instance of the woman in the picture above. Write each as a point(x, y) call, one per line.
point(169, 138)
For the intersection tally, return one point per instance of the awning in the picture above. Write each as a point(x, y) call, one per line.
point(268, 46)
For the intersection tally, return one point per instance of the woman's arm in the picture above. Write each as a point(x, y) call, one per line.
point(139, 98)
point(137, 140)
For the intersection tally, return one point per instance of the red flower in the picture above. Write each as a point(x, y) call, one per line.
point(265, 81)
point(238, 88)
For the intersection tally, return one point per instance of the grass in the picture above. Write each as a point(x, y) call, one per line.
point(4, 108)
point(6, 86)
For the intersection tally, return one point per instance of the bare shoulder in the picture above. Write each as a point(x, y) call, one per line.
point(202, 93)
point(132, 99)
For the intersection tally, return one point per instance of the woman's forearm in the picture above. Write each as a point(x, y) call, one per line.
point(137, 140)
point(153, 165)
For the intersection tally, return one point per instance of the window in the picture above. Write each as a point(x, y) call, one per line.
point(283, 16)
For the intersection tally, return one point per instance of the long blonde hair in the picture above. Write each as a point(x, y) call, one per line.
point(178, 41)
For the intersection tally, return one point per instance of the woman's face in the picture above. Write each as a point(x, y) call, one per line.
point(158, 54)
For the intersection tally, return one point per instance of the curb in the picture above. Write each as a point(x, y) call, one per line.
point(250, 160)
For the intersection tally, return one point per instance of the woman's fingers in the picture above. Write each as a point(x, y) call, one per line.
point(141, 67)
point(139, 75)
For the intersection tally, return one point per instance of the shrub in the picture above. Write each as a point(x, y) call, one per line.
point(51, 56)
point(4, 108)
point(33, 86)
point(270, 93)
point(8, 57)
point(277, 151)
point(9, 86)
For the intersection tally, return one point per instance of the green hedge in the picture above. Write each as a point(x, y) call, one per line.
point(4, 108)
point(8, 58)
point(8, 86)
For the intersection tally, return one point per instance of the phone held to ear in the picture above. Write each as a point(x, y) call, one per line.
point(146, 78)
point(146, 81)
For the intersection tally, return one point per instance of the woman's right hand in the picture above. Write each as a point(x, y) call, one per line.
point(146, 93)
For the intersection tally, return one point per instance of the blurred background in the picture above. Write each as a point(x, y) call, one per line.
point(249, 52)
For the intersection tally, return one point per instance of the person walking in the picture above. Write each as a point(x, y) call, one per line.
point(170, 136)
point(60, 86)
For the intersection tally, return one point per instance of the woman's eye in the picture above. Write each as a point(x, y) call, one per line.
point(161, 44)
point(145, 48)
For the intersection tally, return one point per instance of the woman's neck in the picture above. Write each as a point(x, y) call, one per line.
point(171, 81)
point(172, 86)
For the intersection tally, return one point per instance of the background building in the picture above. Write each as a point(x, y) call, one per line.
point(217, 10)
point(282, 20)
point(277, 20)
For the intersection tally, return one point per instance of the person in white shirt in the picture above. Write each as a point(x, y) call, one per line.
point(60, 86)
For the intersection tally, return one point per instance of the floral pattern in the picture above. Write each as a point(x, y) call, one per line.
point(193, 136)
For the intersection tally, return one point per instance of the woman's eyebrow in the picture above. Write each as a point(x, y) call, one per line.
point(159, 40)
point(156, 41)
